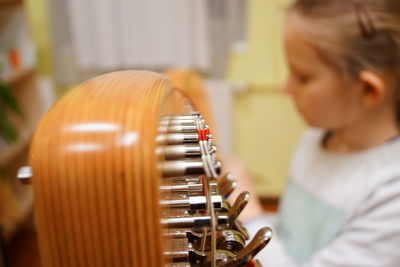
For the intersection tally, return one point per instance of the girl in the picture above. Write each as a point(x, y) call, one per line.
point(342, 202)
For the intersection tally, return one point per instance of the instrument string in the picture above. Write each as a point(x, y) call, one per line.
point(209, 175)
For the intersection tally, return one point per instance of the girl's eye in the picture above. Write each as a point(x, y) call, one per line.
point(303, 79)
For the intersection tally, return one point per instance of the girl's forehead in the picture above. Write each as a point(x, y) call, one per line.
point(301, 38)
point(298, 49)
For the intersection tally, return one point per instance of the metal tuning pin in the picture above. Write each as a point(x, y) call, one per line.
point(167, 123)
point(185, 167)
point(178, 128)
point(195, 222)
point(177, 138)
point(179, 117)
point(181, 179)
point(200, 227)
point(179, 151)
point(192, 203)
point(182, 168)
point(172, 117)
point(188, 188)
point(226, 184)
point(176, 234)
point(173, 152)
point(183, 188)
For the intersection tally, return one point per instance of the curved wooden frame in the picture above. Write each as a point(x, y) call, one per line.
point(95, 177)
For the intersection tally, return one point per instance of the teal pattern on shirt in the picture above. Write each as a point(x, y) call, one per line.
point(307, 224)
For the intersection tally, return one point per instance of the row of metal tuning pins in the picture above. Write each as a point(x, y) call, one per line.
point(187, 235)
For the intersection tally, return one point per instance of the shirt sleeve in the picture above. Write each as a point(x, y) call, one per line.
point(370, 238)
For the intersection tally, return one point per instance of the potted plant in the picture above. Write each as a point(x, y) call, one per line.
point(8, 103)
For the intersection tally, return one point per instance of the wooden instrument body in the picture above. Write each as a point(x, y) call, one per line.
point(97, 179)
point(95, 172)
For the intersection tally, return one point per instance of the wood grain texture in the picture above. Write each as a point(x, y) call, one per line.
point(95, 177)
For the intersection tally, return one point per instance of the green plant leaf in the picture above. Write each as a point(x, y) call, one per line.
point(7, 130)
point(2, 173)
point(8, 100)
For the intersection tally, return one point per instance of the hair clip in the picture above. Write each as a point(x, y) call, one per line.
point(364, 20)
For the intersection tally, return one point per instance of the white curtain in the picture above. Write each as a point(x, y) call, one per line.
point(110, 34)
point(95, 36)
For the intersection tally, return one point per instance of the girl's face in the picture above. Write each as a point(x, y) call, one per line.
point(322, 95)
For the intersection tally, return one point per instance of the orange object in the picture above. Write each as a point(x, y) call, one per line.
point(15, 59)
point(95, 172)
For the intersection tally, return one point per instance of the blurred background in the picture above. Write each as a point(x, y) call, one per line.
point(49, 46)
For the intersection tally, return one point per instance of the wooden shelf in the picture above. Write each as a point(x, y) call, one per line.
point(8, 3)
point(30, 98)
point(18, 76)
point(11, 151)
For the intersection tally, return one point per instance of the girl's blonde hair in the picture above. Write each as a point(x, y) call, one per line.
point(355, 35)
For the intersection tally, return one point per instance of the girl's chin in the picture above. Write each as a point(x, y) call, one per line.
point(313, 123)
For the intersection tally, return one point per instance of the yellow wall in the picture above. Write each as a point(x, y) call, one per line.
point(267, 126)
point(38, 19)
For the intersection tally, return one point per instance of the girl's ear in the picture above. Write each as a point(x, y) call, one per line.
point(373, 88)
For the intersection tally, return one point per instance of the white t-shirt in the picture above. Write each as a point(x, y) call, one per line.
point(339, 210)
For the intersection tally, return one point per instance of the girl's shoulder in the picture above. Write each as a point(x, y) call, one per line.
point(345, 180)
point(376, 165)
point(312, 141)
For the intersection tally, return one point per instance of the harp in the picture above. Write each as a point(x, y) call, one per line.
point(125, 173)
